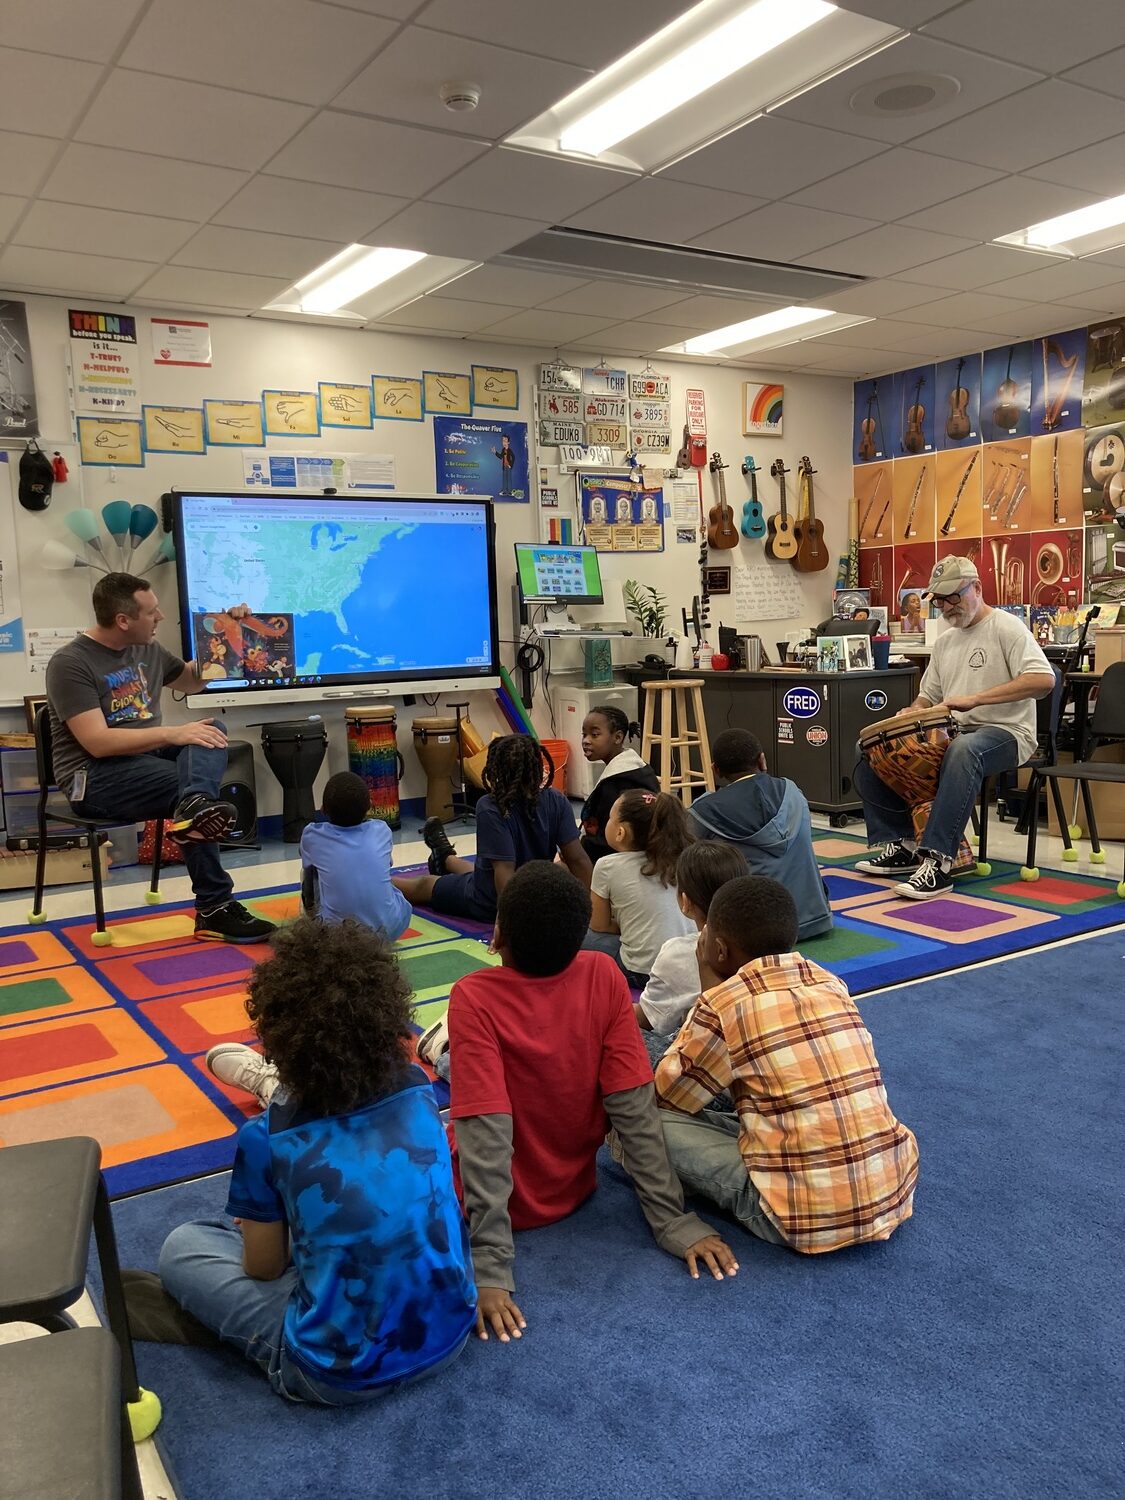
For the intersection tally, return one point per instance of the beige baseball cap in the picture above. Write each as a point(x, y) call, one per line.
point(949, 574)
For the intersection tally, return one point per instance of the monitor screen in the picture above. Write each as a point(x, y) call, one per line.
point(550, 574)
point(395, 591)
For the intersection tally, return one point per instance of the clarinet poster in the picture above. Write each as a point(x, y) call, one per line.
point(481, 458)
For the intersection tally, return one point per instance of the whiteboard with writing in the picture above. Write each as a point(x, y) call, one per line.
point(767, 591)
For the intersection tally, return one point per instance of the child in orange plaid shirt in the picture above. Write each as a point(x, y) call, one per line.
point(813, 1157)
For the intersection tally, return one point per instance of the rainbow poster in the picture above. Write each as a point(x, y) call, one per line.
point(762, 409)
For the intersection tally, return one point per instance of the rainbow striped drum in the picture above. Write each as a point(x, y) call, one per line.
point(373, 755)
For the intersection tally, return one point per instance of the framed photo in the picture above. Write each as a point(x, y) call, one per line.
point(857, 653)
point(717, 580)
point(762, 410)
point(31, 706)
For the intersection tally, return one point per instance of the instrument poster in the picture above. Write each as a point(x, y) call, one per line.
point(957, 402)
point(1005, 393)
point(1058, 365)
point(620, 516)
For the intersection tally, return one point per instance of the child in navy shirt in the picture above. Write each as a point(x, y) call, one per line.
point(346, 862)
point(351, 1275)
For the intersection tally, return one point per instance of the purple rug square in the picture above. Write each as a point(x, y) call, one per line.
point(187, 964)
point(950, 915)
point(16, 953)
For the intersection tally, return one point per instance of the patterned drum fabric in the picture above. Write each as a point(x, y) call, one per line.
point(373, 756)
point(906, 753)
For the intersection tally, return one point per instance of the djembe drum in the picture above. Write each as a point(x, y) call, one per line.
point(374, 758)
point(294, 750)
point(435, 744)
point(906, 753)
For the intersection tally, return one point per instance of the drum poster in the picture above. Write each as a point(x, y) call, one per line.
point(620, 516)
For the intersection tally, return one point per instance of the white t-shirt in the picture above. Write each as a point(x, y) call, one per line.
point(989, 653)
point(646, 912)
point(673, 984)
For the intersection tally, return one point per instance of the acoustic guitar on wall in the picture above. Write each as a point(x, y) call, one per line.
point(753, 518)
point(781, 543)
point(812, 554)
point(722, 533)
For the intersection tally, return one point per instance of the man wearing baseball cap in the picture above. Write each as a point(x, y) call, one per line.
point(987, 672)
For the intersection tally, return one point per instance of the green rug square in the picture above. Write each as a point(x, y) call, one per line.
point(841, 943)
point(31, 994)
point(431, 972)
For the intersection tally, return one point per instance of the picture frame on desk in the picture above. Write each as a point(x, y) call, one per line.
point(32, 703)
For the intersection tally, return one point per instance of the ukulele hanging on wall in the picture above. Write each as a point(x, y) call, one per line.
point(753, 526)
point(781, 544)
point(722, 533)
point(812, 554)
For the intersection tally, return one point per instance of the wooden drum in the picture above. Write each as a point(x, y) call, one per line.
point(906, 753)
point(373, 756)
point(435, 744)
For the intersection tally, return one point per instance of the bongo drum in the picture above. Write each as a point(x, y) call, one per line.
point(435, 744)
point(906, 753)
point(373, 756)
point(294, 750)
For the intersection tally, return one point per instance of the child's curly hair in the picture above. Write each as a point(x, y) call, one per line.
point(513, 772)
point(659, 827)
point(332, 1010)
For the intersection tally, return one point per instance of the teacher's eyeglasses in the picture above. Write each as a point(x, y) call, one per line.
point(944, 599)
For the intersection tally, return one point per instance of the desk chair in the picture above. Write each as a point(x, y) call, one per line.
point(1107, 725)
point(1047, 712)
point(59, 810)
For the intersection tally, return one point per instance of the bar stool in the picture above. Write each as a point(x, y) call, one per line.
point(681, 729)
point(52, 1193)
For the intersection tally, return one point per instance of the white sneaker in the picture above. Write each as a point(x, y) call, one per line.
point(929, 881)
point(240, 1067)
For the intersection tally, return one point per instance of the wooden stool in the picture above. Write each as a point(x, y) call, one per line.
point(682, 729)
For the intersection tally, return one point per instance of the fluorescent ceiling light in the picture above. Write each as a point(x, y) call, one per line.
point(1102, 224)
point(736, 334)
point(346, 276)
point(712, 69)
point(657, 91)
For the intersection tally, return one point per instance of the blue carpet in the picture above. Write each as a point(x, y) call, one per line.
point(976, 1353)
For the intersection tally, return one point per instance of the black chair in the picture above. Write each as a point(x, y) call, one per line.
point(65, 1432)
point(59, 810)
point(1106, 726)
point(1047, 711)
point(53, 1193)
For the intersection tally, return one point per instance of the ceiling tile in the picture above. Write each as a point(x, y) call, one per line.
point(70, 271)
point(462, 233)
point(588, 33)
point(10, 209)
point(403, 83)
point(374, 156)
point(189, 120)
point(900, 12)
point(541, 187)
point(618, 299)
point(398, 10)
point(511, 286)
point(1024, 129)
point(702, 313)
point(69, 28)
point(103, 231)
point(128, 180)
point(656, 208)
point(184, 286)
point(220, 249)
point(47, 92)
point(940, 345)
point(551, 327)
point(1001, 207)
point(782, 231)
point(445, 313)
point(982, 79)
point(771, 157)
point(1066, 280)
point(898, 183)
point(965, 309)
point(1031, 322)
point(1038, 33)
point(882, 252)
point(878, 299)
point(1114, 257)
point(645, 338)
point(1106, 72)
point(857, 362)
point(1097, 168)
point(1101, 302)
point(279, 205)
point(978, 266)
point(23, 161)
point(286, 49)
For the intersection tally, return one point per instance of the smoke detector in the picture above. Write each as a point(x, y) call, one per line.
point(905, 94)
point(460, 97)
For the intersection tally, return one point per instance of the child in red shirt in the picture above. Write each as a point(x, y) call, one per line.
point(545, 1055)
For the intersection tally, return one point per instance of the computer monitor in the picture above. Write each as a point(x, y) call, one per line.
point(547, 573)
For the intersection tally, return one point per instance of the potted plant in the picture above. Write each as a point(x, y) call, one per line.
point(647, 607)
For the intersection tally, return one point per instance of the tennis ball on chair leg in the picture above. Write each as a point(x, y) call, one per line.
point(1075, 830)
point(983, 867)
point(36, 917)
point(153, 898)
point(1070, 856)
point(144, 1414)
point(1121, 887)
point(1097, 856)
point(1028, 873)
point(101, 939)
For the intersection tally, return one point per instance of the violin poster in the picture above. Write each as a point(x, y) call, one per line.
point(870, 439)
point(914, 415)
point(1005, 393)
point(957, 398)
point(1058, 365)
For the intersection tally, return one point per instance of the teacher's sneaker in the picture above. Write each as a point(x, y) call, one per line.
point(232, 923)
point(928, 881)
point(200, 819)
point(240, 1067)
point(896, 859)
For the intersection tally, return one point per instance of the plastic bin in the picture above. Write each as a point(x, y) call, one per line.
point(559, 751)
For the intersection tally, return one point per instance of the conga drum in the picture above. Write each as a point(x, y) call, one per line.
point(294, 751)
point(906, 753)
point(374, 758)
point(435, 744)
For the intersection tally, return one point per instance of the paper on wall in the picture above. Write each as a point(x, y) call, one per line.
point(43, 641)
point(766, 591)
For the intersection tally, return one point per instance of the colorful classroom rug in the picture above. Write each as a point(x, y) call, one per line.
point(110, 1042)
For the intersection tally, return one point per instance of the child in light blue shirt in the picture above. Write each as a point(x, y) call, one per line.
point(346, 862)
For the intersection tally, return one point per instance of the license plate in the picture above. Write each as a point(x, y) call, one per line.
point(559, 378)
point(605, 382)
point(551, 434)
point(610, 434)
point(650, 387)
point(579, 455)
point(650, 414)
point(646, 441)
point(606, 409)
point(560, 406)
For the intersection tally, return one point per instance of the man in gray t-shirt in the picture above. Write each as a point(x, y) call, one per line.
point(115, 758)
point(987, 671)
